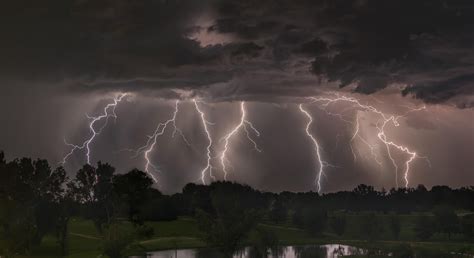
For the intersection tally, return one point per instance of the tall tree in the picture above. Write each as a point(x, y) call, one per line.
point(134, 189)
point(29, 195)
point(230, 221)
point(93, 188)
point(278, 212)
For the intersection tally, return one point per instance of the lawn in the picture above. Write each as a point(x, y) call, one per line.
point(86, 242)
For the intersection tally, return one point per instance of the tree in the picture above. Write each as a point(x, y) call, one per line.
point(424, 228)
point(82, 186)
point(103, 191)
point(230, 221)
point(338, 224)
point(64, 214)
point(395, 226)
point(133, 188)
point(159, 209)
point(116, 241)
point(447, 221)
point(265, 242)
point(93, 188)
point(29, 194)
point(278, 212)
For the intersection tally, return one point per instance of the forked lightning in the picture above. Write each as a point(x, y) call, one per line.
point(152, 141)
point(109, 111)
point(317, 149)
point(245, 125)
point(381, 125)
point(205, 124)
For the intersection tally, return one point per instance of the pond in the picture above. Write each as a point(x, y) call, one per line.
point(322, 251)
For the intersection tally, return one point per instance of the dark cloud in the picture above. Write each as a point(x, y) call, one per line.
point(89, 39)
point(423, 44)
point(426, 45)
point(441, 91)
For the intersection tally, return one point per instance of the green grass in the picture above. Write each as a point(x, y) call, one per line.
point(85, 241)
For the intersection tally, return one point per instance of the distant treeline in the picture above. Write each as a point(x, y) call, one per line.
point(36, 200)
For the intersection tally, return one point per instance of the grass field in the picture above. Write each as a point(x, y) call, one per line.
point(85, 241)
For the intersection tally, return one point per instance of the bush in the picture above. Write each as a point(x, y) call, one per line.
point(144, 231)
point(264, 241)
point(160, 209)
point(229, 224)
point(278, 212)
point(403, 251)
point(116, 241)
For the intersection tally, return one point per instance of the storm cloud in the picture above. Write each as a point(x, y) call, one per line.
point(218, 48)
point(62, 59)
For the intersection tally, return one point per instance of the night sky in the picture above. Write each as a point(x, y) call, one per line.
point(61, 60)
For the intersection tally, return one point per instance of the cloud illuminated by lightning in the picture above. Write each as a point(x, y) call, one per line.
point(152, 141)
point(109, 111)
point(317, 148)
point(205, 123)
point(245, 125)
point(381, 125)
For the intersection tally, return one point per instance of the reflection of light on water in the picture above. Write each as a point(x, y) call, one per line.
point(327, 251)
point(342, 250)
point(323, 251)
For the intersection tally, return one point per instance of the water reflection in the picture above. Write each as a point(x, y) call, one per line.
point(323, 251)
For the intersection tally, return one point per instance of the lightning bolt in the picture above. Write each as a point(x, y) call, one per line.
point(205, 123)
point(381, 125)
point(152, 141)
point(245, 125)
point(317, 149)
point(109, 111)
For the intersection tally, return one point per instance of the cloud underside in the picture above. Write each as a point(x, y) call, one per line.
point(242, 49)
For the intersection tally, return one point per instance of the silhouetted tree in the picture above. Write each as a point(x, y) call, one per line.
point(93, 188)
point(159, 209)
point(134, 189)
point(103, 191)
point(29, 195)
point(265, 242)
point(230, 221)
point(82, 187)
point(278, 212)
point(62, 225)
point(116, 240)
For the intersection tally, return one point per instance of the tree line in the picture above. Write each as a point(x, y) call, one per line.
point(36, 200)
